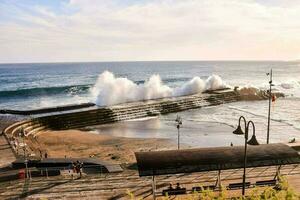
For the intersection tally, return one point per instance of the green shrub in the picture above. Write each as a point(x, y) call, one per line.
point(281, 192)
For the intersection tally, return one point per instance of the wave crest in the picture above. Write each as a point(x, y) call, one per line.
point(45, 91)
point(110, 90)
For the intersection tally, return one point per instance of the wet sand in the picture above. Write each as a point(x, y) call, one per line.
point(75, 143)
point(117, 142)
point(194, 133)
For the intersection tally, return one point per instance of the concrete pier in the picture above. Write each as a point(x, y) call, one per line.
point(101, 115)
point(93, 115)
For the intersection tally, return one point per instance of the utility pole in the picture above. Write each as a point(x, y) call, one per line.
point(270, 99)
point(22, 134)
point(179, 123)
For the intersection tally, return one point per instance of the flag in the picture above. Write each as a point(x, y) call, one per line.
point(273, 101)
point(273, 98)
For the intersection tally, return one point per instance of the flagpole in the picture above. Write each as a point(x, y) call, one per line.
point(270, 96)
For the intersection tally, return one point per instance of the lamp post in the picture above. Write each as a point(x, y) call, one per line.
point(270, 98)
point(178, 120)
point(252, 141)
point(22, 134)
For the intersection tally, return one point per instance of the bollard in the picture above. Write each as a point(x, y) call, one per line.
point(29, 173)
point(47, 172)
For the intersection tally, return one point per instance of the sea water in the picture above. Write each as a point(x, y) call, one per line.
point(29, 86)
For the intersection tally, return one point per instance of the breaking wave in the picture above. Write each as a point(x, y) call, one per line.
point(288, 84)
point(110, 90)
point(45, 91)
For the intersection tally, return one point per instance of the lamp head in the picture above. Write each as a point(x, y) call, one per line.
point(178, 120)
point(253, 141)
point(238, 131)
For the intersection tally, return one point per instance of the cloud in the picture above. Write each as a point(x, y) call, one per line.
point(89, 30)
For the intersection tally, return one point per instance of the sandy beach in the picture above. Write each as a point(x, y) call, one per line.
point(75, 143)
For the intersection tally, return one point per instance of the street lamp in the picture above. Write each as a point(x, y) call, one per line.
point(270, 98)
point(178, 120)
point(22, 134)
point(252, 141)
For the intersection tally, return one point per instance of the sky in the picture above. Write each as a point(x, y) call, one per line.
point(138, 30)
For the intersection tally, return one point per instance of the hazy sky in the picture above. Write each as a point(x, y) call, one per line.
point(116, 30)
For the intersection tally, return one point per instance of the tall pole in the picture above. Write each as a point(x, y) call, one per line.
point(178, 145)
point(153, 188)
point(178, 120)
point(24, 149)
point(269, 113)
point(252, 141)
point(239, 131)
point(245, 161)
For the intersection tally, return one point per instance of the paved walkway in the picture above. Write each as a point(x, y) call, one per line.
point(6, 153)
point(7, 156)
point(115, 186)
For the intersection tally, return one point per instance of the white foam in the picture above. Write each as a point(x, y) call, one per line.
point(142, 119)
point(289, 84)
point(290, 87)
point(110, 90)
point(191, 87)
point(214, 82)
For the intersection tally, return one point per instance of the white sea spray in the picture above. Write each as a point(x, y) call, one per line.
point(110, 90)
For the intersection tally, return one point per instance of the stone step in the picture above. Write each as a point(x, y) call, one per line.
point(111, 114)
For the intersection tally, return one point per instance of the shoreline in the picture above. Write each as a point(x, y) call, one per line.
point(76, 144)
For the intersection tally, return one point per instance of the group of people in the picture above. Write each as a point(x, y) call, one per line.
point(77, 167)
point(176, 188)
point(41, 154)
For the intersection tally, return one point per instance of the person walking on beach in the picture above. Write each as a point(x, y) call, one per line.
point(73, 169)
point(78, 167)
point(41, 154)
point(178, 186)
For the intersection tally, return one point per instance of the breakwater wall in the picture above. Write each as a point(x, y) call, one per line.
point(47, 110)
point(89, 115)
point(101, 115)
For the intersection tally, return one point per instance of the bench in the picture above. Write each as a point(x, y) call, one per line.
point(232, 186)
point(266, 183)
point(206, 187)
point(174, 191)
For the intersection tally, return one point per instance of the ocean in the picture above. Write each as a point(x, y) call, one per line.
point(30, 86)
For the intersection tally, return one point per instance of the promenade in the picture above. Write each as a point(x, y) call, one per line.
point(115, 186)
point(7, 155)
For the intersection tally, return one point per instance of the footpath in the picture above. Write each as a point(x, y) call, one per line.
point(7, 155)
